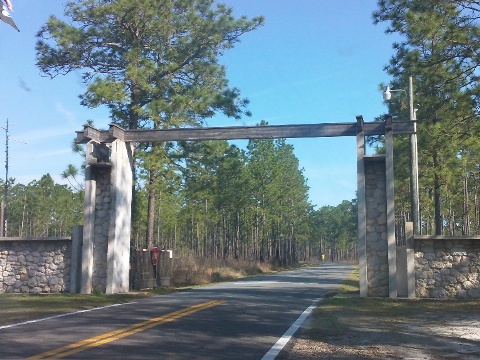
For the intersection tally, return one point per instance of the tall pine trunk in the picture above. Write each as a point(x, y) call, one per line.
point(466, 216)
point(437, 196)
point(151, 208)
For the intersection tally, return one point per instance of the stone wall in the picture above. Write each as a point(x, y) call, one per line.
point(447, 267)
point(35, 265)
point(376, 227)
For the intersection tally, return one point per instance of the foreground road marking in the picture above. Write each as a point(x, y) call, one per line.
point(124, 332)
point(280, 344)
point(63, 315)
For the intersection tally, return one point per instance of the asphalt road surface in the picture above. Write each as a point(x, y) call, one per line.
point(246, 319)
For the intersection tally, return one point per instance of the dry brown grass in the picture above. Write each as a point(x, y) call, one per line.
point(190, 270)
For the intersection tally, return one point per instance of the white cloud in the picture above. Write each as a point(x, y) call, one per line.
point(67, 114)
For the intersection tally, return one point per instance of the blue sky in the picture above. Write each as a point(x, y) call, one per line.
point(314, 61)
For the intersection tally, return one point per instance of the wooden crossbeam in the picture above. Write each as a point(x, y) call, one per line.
point(242, 132)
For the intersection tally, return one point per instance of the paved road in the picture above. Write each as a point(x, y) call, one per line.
point(235, 320)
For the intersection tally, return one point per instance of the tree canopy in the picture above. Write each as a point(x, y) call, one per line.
point(152, 63)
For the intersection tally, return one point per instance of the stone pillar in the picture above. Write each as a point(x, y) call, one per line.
point(362, 219)
point(76, 261)
point(106, 233)
point(390, 210)
point(376, 227)
point(376, 218)
point(410, 255)
point(89, 218)
point(118, 253)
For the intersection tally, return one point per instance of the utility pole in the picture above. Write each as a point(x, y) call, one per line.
point(414, 164)
point(3, 212)
point(3, 225)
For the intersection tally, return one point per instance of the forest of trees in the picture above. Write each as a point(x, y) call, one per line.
point(42, 208)
point(250, 204)
point(219, 202)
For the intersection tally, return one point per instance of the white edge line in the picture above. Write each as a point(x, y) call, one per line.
point(280, 344)
point(61, 315)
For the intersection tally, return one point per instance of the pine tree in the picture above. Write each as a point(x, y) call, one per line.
point(280, 195)
point(439, 47)
point(153, 64)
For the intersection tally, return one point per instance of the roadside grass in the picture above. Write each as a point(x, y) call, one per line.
point(21, 307)
point(345, 312)
point(351, 284)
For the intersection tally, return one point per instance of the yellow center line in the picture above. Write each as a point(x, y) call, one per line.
point(124, 332)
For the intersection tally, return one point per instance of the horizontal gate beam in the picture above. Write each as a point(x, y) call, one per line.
point(241, 132)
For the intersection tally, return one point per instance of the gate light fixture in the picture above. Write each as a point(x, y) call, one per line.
point(387, 94)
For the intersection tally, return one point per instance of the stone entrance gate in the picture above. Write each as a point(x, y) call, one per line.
point(108, 196)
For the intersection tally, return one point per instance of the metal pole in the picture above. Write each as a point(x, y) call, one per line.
point(414, 192)
point(5, 187)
